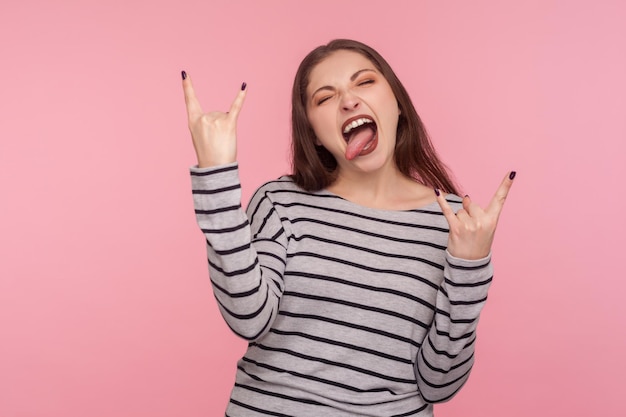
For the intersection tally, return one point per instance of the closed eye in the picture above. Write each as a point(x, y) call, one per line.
point(323, 99)
point(365, 82)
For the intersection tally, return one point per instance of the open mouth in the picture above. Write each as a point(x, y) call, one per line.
point(360, 133)
point(354, 125)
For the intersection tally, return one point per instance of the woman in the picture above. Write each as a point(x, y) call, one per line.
point(357, 280)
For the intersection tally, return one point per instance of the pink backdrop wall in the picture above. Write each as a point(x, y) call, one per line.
point(105, 304)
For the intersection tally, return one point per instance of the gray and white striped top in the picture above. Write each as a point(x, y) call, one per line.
point(349, 310)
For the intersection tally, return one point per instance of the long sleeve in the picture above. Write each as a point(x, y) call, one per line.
point(351, 310)
point(246, 256)
point(446, 357)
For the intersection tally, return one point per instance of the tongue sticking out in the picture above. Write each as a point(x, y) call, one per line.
point(359, 138)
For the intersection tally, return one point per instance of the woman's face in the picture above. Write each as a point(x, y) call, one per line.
point(353, 111)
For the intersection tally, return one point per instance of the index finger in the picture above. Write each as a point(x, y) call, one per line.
point(447, 211)
point(191, 101)
point(497, 202)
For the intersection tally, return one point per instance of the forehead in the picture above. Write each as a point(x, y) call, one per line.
point(336, 67)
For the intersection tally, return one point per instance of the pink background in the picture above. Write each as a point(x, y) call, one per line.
point(105, 304)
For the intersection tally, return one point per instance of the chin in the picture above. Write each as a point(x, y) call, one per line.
point(373, 162)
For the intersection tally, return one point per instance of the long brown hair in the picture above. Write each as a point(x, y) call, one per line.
point(315, 168)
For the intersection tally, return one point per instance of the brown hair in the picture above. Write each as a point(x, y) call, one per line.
point(314, 167)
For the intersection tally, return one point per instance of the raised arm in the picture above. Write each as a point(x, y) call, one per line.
point(446, 357)
point(245, 256)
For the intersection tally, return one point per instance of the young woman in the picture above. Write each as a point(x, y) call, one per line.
point(357, 280)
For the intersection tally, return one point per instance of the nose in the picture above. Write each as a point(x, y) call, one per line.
point(350, 102)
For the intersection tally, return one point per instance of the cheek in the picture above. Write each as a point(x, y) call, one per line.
point(393, 118)
point(319, 121)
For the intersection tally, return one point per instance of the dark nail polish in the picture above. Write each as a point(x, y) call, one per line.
point(467, 196)
point(184, 74)
point(437, 192)
point(512, 175)
point(243, 86)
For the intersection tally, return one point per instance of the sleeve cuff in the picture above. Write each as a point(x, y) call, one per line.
point(465, 272)
point(194, 169)
point(467, 262)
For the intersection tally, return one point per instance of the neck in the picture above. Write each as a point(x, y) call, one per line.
point(379, 188)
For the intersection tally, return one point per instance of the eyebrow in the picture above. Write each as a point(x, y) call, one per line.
point(352, 78)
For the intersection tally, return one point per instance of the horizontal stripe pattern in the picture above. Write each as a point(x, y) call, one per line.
point(348, 310)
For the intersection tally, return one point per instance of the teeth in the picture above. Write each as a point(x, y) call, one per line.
point(356, 123)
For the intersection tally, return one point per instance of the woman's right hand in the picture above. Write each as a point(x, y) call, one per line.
point(214, 134)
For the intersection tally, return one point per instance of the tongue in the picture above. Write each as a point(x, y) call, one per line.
point(359, 139)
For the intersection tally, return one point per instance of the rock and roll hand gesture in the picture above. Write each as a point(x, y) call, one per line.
point(214, 134)
point(472, 228)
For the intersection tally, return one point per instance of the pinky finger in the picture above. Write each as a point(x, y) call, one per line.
point(237, 104)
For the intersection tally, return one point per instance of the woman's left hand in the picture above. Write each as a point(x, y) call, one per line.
point(472, 228)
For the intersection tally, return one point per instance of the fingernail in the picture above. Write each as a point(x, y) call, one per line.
point(512, 175)
point(437, 192)
point(243, 86)
point(184, 74)
point(467, 196)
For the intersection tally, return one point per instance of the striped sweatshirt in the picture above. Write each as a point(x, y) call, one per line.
point(348, 310)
